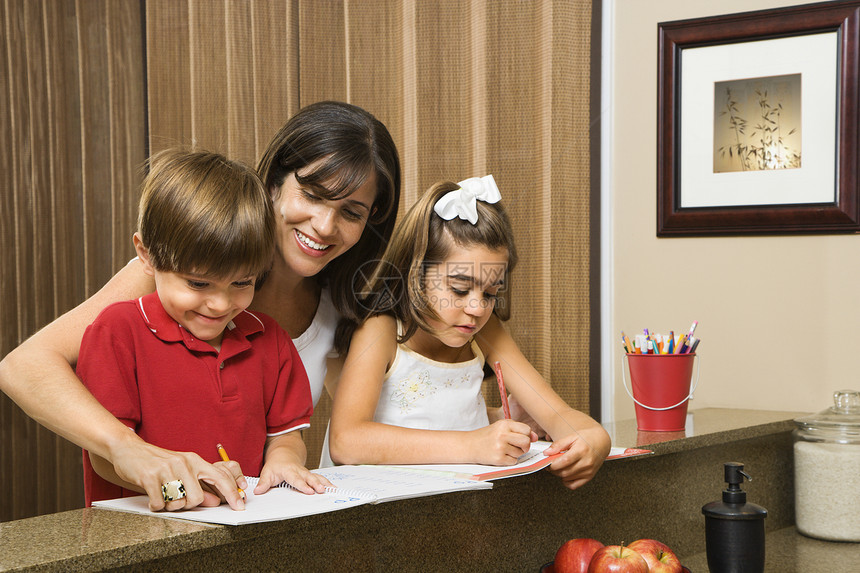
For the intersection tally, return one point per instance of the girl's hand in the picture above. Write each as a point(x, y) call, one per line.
point(298, 476)
point(580, 462)
point(501, 443)
point(519, 414)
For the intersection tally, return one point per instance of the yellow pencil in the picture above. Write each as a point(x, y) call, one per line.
point(224, 457)
point(680, 345)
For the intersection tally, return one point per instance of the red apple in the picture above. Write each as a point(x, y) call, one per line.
point(617, 559)
point(659, 557)
point(575, 555)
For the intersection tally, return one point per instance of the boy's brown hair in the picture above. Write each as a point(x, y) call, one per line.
point(205, 214)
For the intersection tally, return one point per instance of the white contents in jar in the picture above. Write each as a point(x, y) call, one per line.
point(827, 490)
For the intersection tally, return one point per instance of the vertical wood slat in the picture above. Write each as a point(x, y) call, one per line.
point(240, 87)
point(65, 154)
point(35, 218)
point(442, 93)
point(569, 188)
point(95, 141)
point(127, 125)
point(22, 438)
point(74, 123)
point(168, 74)
point(275, 44)
point(8, 310)
point(322, 43)
point(209, 78)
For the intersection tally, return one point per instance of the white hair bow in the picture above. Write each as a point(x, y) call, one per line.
point(463, 202)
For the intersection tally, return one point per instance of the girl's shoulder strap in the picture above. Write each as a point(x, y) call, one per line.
point(476, 350)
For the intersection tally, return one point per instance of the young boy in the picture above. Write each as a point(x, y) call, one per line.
point(187, 367)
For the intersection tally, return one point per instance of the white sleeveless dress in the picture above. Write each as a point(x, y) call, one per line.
point(421, 393)
point(424, 394)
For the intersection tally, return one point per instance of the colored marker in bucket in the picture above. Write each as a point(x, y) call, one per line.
point(661, 369)
point(648, 343)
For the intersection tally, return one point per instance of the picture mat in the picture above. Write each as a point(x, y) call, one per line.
point(814, 56)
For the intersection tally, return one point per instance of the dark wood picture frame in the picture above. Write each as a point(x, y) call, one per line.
point(841, 216)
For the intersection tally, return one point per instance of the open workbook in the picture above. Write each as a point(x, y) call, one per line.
point(533, 460)
point(357, 485)
point(354, 485)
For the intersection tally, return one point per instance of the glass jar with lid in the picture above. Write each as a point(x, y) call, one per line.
point(827, 470)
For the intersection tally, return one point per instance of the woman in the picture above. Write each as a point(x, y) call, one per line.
point(334, 177)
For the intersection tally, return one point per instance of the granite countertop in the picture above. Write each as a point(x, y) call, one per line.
point(706, 427)
point(96, 539)
point(787, 551)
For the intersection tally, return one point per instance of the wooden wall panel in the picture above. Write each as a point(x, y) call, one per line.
point(466, 88)
point(222, 74)
point(168, 68)
point(209, 81)
point(127, 142)
point(23, 438)
point(73, 117)
point(8, 274)
point(275, 45)
point(65, 153)
point(322, 45)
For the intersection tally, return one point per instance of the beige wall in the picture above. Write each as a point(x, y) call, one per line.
point(778, 316)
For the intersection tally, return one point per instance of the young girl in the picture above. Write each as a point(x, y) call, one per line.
point(410, 389)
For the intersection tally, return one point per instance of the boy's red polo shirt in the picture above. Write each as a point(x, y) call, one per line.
point(181, 394)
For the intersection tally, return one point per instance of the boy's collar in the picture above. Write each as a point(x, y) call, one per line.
point(167, 329)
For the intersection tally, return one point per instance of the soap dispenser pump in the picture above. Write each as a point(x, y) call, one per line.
point(734, 529)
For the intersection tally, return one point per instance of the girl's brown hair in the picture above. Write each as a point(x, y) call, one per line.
point(423, 238)
point(203, 213)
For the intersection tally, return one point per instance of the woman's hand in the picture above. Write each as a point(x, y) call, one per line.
point(149, 467)
point(584, 453)
point(501, 443)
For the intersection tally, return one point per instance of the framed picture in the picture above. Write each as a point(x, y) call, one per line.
point(757, 122)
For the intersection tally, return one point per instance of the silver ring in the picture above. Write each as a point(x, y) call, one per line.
point(172, 490)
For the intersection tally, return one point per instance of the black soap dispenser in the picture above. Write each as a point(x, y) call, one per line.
point(734, 529)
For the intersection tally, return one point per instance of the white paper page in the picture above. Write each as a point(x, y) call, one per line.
point(534, 454)
point(389, 483)
point(276, 504)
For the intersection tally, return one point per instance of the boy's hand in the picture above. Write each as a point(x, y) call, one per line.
point(501, 443)
point(298, 476)
point(285, 462)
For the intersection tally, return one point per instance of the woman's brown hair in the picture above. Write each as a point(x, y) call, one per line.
point(347, 144)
